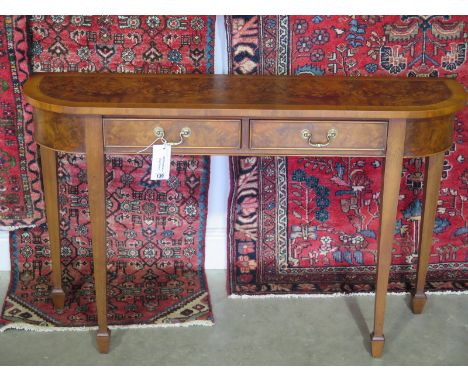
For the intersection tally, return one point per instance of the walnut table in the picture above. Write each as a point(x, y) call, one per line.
point(104, 113)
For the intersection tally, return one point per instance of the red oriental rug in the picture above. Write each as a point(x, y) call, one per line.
point(309, 225)
point(155, 229)
point(21, 202)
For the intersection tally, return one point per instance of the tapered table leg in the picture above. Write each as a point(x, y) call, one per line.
point(433, 175)
point(49, 178)
point(390, 193)
point(97, 207)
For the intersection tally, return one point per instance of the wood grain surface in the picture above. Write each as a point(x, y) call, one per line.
point(123, 94)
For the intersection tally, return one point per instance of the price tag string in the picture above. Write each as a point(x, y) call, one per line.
point(162, 139)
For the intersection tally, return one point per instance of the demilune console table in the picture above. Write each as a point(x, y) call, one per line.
point(104, 113)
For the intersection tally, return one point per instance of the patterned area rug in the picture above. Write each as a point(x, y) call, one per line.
point(155, 249)
point(21, 202)
point(156, 229)
point(310, 225)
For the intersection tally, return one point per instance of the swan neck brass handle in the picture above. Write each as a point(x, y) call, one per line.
point(331, 135)
point(184, 133)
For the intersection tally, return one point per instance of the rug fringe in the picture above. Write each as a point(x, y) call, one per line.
point(8, 228)
point(448, 292)
point(38, 328)
point(335, 295)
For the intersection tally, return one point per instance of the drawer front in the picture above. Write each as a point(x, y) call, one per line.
point(127, 135)
point(349, 136)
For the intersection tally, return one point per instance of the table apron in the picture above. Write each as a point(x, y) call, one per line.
point(243, 136)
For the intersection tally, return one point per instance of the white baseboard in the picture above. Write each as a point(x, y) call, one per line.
point(4, 251)
point(215, 248)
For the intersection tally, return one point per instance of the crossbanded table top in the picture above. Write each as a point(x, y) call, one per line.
point(113, 93)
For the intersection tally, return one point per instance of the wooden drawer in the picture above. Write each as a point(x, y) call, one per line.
point(130, 135)
point(351, 136)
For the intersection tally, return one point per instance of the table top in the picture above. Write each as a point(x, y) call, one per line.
point(114, 93)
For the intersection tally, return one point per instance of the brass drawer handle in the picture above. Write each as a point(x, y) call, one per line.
point(331, 135)
point(184, 133)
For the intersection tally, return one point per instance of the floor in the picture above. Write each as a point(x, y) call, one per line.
point(312, 331)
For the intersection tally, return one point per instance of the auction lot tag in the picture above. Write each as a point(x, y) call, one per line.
point(161, 162)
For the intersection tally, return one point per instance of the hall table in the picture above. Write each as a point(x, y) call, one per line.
point(102, 113)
